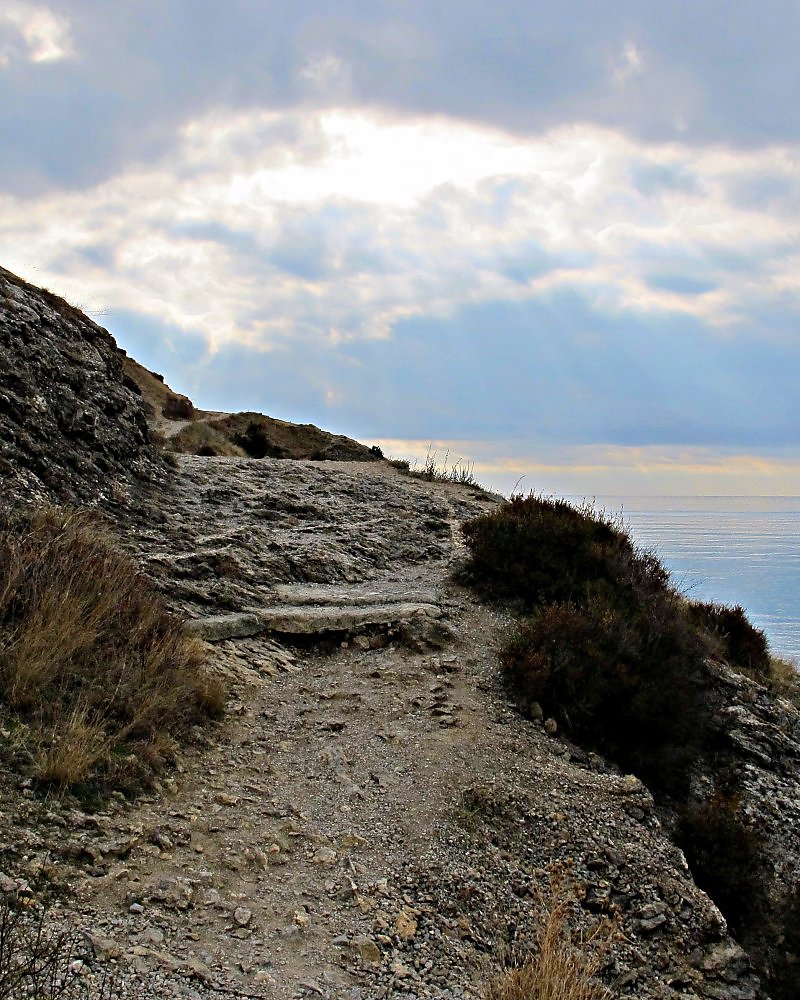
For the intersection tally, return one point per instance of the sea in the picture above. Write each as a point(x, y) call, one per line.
point(732, 550)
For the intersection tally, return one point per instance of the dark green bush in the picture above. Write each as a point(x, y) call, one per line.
point(741, 643)
point(625, 680)
point(256, 443)
point(617, 655)
point(536, 550)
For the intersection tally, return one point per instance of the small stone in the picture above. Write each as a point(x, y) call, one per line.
point(136, 908)
point(104, 948)
point(302, 918)
point(405, 925)
point(325, 856)
point(226, 800)
point(366, 949)
point(400, 970)
point(211, 897)
point(242, 916)
point(199, 970)
point(150, 935)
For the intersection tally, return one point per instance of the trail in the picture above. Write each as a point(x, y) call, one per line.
point(373, 819)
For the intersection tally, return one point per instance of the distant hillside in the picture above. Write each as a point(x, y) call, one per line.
point(80, 421)
point(192, 431)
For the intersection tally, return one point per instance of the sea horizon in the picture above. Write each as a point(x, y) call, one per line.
point(727, 548)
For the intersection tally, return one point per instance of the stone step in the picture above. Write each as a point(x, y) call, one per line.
point(308, 620)
point(323, 593)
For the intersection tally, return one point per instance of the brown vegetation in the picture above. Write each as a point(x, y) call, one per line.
point(563, 965)
point(198, 438)
point(36, 952)
point(97, 679)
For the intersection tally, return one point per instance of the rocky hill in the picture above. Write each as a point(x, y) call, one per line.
point(374, 818)
point(72, 424)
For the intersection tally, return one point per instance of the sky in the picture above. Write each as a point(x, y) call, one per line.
point(556, 241)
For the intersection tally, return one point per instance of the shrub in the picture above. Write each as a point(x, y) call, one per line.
point(536, 550)
point(256, 443)
point(97, 671)
point(36, 953)
point(197, 438)
point(625, 680)
point(726, 858)
point(741, 643)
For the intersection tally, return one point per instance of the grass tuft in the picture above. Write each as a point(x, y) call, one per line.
point(93, 667)
point(199, 438)
point(563, 965)
point(433, 470)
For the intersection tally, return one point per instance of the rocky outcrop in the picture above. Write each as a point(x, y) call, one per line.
point(755, 773)
point(72, 426)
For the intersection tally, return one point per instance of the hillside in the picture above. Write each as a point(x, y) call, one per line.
point(373, 818)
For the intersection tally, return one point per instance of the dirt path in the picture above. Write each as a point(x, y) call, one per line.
point(374, 819)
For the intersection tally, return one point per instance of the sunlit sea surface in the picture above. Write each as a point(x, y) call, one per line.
point(733, 550)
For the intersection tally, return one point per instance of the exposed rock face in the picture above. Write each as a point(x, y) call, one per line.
point(72, 427)
point(177, 407)
point(757, 765)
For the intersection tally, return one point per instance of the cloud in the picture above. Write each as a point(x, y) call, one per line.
point(702, 74)
point(328, 77)
point(412, 277)
point(44, 35)
point(629, 64)
point(607, 472)
point(340, 224)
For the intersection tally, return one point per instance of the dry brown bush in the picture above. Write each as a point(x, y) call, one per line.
point(37, 951)
point(563, 964)
point(92, 665)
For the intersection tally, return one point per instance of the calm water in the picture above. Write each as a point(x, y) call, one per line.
point(734, 550)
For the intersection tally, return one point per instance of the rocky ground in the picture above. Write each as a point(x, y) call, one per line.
point(374, 819)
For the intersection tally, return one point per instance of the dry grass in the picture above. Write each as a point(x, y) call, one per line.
point(92, 666)
point(198, 438)
point(563, 965)
point(440, 471)
point(783, 679)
